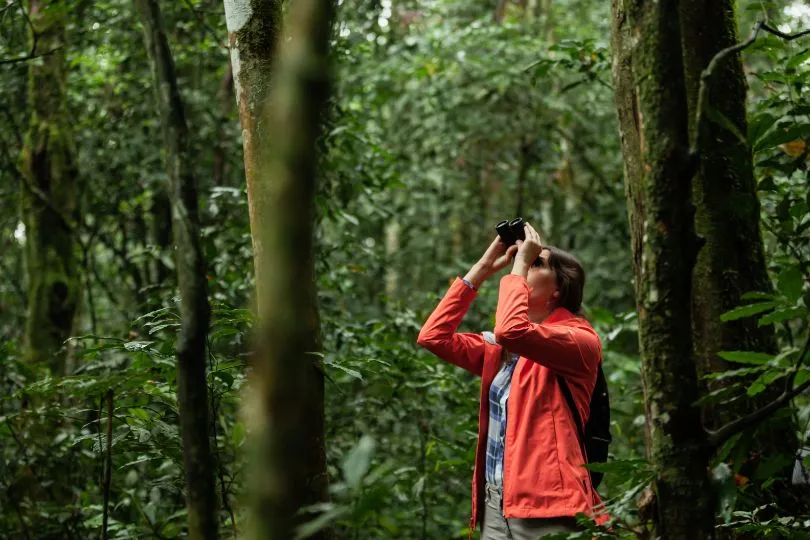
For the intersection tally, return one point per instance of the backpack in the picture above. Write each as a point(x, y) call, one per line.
point(595, 438)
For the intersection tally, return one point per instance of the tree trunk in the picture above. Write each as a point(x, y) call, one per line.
point(225, 98)
point(191, 276)
point(524, 163)
point(253, 30)
point(49, 205)
point(727, 218)
point(286, 409)
point(652, 110)
point(500, 11)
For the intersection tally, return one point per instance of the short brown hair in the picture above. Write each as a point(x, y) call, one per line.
point(570, 279)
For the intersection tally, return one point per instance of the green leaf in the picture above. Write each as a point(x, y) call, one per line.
point(724, 451)
point(620, 467)
point(731, 373)
point(746, 357)
point(137, 345)
point(310, 528)
point(356, 464)
point(226, 378)
point(799, 58)
point(780, 315)
point(763, 382)
point(801, 377)
point(418, 487)
point(723, 121)
point(759, 126)
point(771, 465)
point(746, 311)
point(790, 282)
point(238, 434)
point(782, 136)
point(766, 184)
point(354, 373)
point(757, 295)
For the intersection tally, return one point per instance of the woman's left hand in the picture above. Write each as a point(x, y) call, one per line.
point(528, 249)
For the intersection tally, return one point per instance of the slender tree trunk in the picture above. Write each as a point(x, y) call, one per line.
point(391, 275)
point(161, 211)
point(500, 11)
point(225, 98)
point(525, 164)
point(191, 276)
point(280, 129)
point(49, 205)
point(652, 109)
point(727, 218)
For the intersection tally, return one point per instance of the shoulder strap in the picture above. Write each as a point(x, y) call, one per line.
point(571, 405)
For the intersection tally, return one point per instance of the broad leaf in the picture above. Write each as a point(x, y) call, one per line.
point(781, 315)
point(790, 283)
point(746, 311)
point(746, 357)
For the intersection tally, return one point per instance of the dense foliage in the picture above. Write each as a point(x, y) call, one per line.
point(442, 123)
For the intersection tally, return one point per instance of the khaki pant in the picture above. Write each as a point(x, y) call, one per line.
point(496, 527)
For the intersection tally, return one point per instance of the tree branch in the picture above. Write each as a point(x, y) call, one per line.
point(206, 27)
point(786, 37)
point(720, 436)
point(27, 57)
point(702, 101)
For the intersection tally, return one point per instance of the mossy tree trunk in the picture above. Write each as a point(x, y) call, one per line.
point(652, 108)
point(50, 209)
point(281, 127)
point(732, 261)
point(192, 391)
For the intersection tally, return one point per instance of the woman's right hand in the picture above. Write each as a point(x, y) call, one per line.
point(497, 255)
point(495, 258)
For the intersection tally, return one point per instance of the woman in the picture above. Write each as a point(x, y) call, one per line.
point(528, 479)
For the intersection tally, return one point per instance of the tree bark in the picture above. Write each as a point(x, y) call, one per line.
point(254, 27)
point(652, 109)
point(191, 276)
point(732, 261)
point(285, 411)
point(49, 205)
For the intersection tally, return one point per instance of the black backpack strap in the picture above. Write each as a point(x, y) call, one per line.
point(577, 418)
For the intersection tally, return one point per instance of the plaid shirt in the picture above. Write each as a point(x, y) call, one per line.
point(498, 395)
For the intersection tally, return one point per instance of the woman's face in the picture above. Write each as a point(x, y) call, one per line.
point(542, 282)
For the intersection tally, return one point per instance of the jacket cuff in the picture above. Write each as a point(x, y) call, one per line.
point(463, 287)
point(514, 279)
point(468, 284)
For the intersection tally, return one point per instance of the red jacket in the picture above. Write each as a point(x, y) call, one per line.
point(543, 472)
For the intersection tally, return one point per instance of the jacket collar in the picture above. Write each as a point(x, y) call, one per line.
point(557, 315)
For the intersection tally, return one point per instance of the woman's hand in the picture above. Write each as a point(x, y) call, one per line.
point(528, 251)
point(494, 259)
point(497, 255)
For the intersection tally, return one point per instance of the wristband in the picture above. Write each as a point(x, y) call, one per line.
point(468, 284)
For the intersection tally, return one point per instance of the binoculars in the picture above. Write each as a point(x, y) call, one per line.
point(511, 231)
